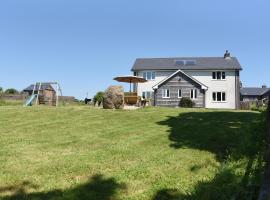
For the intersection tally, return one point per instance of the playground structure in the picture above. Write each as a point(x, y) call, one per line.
point(43, 93)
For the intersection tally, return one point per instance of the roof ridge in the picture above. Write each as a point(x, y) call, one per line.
point(183, 57)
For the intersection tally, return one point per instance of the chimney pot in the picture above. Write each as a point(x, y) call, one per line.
point(227, 54)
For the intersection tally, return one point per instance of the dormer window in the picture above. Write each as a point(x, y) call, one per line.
point(149, 75)
point(219, 75)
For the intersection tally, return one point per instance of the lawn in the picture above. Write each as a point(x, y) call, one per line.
point(78, 152)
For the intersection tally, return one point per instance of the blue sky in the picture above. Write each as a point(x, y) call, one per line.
point(84, 44)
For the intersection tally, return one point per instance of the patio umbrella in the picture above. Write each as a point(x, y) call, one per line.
point(130, 79)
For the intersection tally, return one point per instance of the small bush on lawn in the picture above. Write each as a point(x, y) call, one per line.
point(186, 103)
point(98, 98)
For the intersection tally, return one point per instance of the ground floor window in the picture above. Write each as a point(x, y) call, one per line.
point(193, 93)
point(147, 95)
point(165, 93)
point(179, 93)
point(219, 96)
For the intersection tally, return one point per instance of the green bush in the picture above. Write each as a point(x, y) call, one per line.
point(98, 98)
point(186, 103)
point(11, 91)
point(1, 90)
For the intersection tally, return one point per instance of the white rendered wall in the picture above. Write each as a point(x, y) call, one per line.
point(227, 86)
point(204, 77)
point(148, 86)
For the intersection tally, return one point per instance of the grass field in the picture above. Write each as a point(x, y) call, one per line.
point(154, 153)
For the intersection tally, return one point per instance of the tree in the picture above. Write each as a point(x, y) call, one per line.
point(11, 91)
point(98, 98)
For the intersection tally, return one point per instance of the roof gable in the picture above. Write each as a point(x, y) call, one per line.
point(193, 63)
point(175, 74)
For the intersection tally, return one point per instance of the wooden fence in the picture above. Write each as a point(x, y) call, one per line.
point(265, 189)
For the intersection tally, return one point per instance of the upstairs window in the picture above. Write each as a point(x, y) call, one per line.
point(149, 75)
point(165, 93)
point(219, 75)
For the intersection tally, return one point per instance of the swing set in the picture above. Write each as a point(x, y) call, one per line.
point(44, 93)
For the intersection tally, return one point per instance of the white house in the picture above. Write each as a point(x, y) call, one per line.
point(211, 82)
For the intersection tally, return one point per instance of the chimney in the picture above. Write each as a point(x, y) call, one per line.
point(227, 54)
point(264, 86)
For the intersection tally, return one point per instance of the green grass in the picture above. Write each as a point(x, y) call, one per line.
point(10, 102)
point(154, 153)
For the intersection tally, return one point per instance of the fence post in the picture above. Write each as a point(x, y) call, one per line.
point(265, 189)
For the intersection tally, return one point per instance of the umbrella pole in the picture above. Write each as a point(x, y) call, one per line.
point(129, 86)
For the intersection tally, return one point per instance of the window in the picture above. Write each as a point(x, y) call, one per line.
point(193, 93)
point(165, 93)
point(214, 75)
point(149, 75)
point(179, 93)
point(219, 75)
point(147, 95)
point(223, 75)
point(219, 96)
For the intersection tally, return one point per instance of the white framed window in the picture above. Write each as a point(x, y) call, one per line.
point(219, 75)
point(179, 93)
point(147, 95)
point(165, 93)
point(149, 75)
point(193, 93)
point(219, 96)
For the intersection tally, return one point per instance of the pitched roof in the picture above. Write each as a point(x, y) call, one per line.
point(199, 63)
point(253, 91)
point(175, 73)
point(44, 86)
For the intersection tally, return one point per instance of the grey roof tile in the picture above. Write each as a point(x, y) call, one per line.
point(201, 63)
point(43, 87)
point(253, 91)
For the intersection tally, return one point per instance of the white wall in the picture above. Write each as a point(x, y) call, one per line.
point(227, 86)
point(148, 86)
point(204, 77)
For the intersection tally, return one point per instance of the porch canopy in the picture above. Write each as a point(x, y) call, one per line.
point(130, 79)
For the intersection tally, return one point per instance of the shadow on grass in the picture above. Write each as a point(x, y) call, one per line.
point(230, 136)
point(96, 188)
point(222, 133)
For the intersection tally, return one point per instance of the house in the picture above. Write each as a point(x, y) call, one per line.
point(254, 94)
point(211, 82)
point(47, 94)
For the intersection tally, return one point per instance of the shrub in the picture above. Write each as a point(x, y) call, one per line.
point(11, 91)
point(1, 90)
point(98, 98)
point(186, 103)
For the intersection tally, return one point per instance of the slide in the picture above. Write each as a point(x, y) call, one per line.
point(30, 100)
